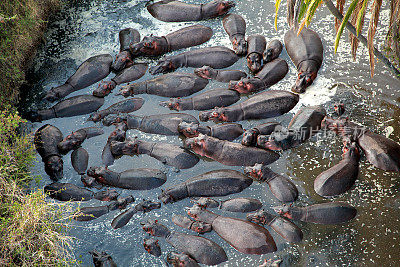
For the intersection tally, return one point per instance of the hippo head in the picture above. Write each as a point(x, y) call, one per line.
point(206, 72)
point(121, 203)
point(260, 217)
point(129, 147)
point(273, 50)
point(201, 227)
point(97, 172)
point(150, 45)
point(179, 259)
point(153, 228)
point(250, 137)
point(72, 141)
point(284, 210)
point(165, 197)
point(106, 195)
point(52, 96)
point(254, 62)
point(239, 45)
point(151, 246)
point(90, 182)
point(280, 139)
point(122, 61)
point(172, 103)
point(197, 144)
point(188, 129)
point(54, 167)
point(217, 7)
point(206, 202)
point(119, 134)
point(256, 171)
point(101, 258)
point(163, 66)
point(113, 118)
point(216, 115)
point(104, 88)
point(304, 80)
point(126, 90)
point(350, 149)
point(199, 214)
point(246, 85)
point(147, 205)
point(339, 109)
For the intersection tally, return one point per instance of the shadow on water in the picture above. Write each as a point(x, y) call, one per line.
point(87, 28)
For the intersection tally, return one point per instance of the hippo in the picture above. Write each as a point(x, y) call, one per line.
point(124, 106)
point(339, 109)
point(133, 179)
point(168, 85)
point(123, 218)
point(124, 58)
point(213, 183)
point(271, 263)
point(71, 192)
point(285, 228)
point(229, 153)
point(244, 236)
point(272, 51)
point(89, 72)
point(307, 53)
point(152, 247)
point(240, 204)
point(217, 57)
point(102, 259)
point(256, 46)
point(342, 176)
point(46, 140)
point(176, 11)
point(119, 134)
point(73, 106)
point(181, 259)
point(129, 74)
point(75, 139)
point(250, 136)
point(324, 213)
point(210, 99)
point(90, 182)
point(305, 123)
point(235, 27)
point(165, 124)
point(122, 61)
point(281, 187)
point(168, 154)
point(260, 106)
point(222, 131)
point(224, 76)
point(92, 213)
point(202, 250)
point(187, 223)
point(182, 38)
point(380, 151)
point(80, 160)
point(270, 74)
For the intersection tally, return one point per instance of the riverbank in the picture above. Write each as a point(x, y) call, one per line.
point(32, 231)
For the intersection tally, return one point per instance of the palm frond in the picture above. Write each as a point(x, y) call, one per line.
point(277, 5)
point(376, 7)
point(357, 18)
point(340, 7)
point(290, 12)
point(344, 22)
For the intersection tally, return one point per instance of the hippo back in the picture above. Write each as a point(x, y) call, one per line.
point(46, 140)
point(306, 46)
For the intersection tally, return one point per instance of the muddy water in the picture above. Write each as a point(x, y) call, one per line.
point(91, 27)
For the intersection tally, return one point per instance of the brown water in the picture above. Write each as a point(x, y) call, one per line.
point(372, 238)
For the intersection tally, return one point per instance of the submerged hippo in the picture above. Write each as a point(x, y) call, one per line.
point(260, 106)
point(75, 139)
point(130, 74)
point(272, 51)
point(250, 136)
point(244, 236)
point(133, 179)
point(152, 247)
point(380, 151)
point(89, 72)
point(182, 38)
point(73, 106)
point(307, 53)
point(123, 218)
point(102, 259)
point(240, 204)
point(223, 131)
point(281, 187)
point(256, 46)
point(235, 27)
point(213, 183)
point(185, 222)
point(224, 76)
point(210, 99)
point(46, 140)
point(176, 11)
point(202, 250)
point(71, 192)
point(80, 160)
point(168, 85)
point(325, 213)
point(285, 228)
point(229, 153)
point(217, 57)
point(270, 74)
point(124, 106)
point(168, 154)
point(165, 124)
